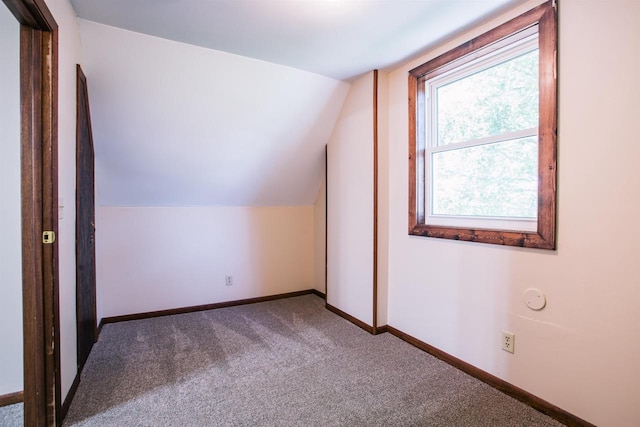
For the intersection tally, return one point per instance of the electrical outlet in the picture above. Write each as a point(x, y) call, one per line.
point(228, 280)
point(508, 341)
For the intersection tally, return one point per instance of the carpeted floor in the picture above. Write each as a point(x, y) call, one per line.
point(288, 362)
point(11, 416)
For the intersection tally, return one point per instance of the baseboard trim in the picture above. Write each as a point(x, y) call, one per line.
point(11, 398)
point(318, 293)
point(529, 399)
point(195, 308)
point(359, 323)
point(381, 330)
point(70, 395)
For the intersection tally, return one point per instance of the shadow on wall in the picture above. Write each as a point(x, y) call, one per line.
point(311, 128)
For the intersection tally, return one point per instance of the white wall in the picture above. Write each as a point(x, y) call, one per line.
point(156, 258)
point(69, 56)
point(350, 203)
point(319, 238)
point(581, 352)
point(10, 225)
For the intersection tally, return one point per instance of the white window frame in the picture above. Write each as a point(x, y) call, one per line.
point(510, 48)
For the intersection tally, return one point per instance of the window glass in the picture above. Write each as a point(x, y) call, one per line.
point(500, 99)
point(492, 180)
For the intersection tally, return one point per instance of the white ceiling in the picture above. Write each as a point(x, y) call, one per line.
point(231, 102)
point(340, 39)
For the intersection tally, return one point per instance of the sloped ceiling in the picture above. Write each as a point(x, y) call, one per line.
point(230, 102)
point(340, 39)
point(176, 124)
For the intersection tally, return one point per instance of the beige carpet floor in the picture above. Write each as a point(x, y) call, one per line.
point(11, 415)
point(288, 362)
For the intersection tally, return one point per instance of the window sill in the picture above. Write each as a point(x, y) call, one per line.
point(505, 238)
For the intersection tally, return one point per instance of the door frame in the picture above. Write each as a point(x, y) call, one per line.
point(39, 194)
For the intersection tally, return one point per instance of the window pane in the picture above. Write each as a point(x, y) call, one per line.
point(500, 99)
point(496, 180)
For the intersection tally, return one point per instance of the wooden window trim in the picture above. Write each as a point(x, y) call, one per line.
point(545, 16)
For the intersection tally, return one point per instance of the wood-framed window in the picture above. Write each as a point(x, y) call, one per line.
point(482, 137)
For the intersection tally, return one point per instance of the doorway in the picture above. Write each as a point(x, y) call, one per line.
point(10, 239)
point(38, 207)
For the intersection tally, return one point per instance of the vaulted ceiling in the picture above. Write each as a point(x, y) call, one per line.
point(230, 102)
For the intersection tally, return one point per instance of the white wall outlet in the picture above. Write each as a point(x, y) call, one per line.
point(508, 341)
point(228, 280)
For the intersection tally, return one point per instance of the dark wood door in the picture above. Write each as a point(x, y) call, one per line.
point(85, 226)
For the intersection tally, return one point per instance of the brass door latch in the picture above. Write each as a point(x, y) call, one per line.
point(48, 237)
